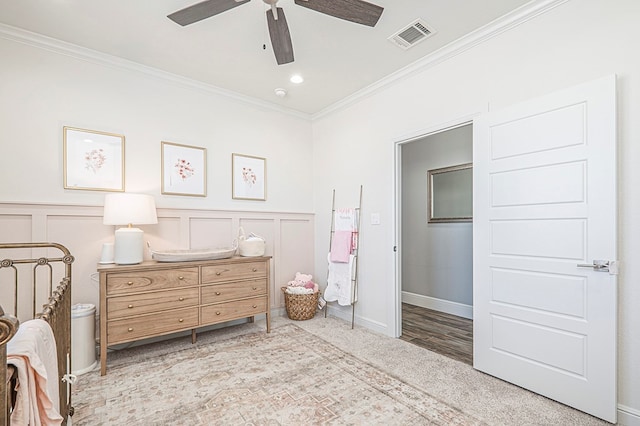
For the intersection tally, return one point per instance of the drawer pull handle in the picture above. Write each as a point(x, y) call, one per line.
point(218, 293)
point(218, 313)
point(254, 269)
point(255, 306)
point(130, 329)
point(180, 320)
point(181, 299)
point(130, 306)
point(130, 283)
point(218, 273)
point(181, 278)
point(255, 288)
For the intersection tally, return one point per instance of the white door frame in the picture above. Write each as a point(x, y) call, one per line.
point(395, 314)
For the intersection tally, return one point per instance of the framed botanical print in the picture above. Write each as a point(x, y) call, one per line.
point(248, 177)
point(184, 170)
point(93, 160)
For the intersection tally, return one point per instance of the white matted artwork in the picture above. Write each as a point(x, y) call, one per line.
point(93, 160)
point(249, 180)
point(184, 170)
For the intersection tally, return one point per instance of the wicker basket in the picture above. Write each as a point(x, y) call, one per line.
point(300, 306)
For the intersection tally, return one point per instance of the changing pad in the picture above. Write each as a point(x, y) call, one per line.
point(192, 254)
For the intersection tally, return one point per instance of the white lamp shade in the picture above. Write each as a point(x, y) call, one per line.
point(129, 209)
point(124, 209)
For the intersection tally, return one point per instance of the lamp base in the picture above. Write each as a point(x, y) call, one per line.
point(128, 246)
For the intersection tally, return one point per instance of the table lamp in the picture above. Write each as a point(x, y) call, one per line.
point(129, 209)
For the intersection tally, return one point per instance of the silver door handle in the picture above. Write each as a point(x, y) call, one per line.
point(602, 266)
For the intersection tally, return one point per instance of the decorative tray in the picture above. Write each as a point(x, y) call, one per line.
point(193, 254)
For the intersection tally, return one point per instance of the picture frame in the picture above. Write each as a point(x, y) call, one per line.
point(450, 192)
point(248, 181)
point(184, 170)
point(93, 160)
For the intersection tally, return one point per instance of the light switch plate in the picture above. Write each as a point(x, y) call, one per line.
point(375, 218)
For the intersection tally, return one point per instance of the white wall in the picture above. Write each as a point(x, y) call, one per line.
point(42, 91)
point(578, 41)
point(436, 257)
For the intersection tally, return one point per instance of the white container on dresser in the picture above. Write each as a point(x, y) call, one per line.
point(152, 299)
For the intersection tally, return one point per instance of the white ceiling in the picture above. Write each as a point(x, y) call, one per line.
point(336, 58)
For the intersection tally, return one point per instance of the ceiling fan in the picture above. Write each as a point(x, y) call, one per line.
point(358, 11)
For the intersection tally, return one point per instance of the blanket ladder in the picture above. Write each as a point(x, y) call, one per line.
point(354, 252)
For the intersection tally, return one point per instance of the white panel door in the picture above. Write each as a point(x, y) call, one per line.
point(544, 203)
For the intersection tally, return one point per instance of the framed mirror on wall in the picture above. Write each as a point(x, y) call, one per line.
point(449, 194)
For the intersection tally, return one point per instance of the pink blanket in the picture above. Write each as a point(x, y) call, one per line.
point(341, 246)
point(344, 236)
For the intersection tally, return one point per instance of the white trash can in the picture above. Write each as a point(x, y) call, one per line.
point(83, 338)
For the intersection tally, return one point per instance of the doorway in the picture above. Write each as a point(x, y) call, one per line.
point(436, 266)
point(439, 332)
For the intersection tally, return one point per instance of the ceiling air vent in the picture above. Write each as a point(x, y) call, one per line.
point(411, 35)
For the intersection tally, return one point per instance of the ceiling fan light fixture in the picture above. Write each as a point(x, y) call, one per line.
point(296, 79)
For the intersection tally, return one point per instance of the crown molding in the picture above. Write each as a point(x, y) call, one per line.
point(481, 35)
point(60, 47)
point(474, 38)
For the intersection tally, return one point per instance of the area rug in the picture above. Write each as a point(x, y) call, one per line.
point(286, 377)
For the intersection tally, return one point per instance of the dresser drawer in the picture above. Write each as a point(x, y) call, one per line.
point(130, 282)
point(145, 303)
point(236, 290)
point(232, 310)
point(124, 330)
point(233, 272)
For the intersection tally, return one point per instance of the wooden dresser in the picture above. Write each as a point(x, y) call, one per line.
point(156, 298)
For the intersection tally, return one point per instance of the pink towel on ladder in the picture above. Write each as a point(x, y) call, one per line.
point(345, 230)
point(341, 246)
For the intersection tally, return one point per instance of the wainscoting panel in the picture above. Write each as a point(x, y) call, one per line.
point(83, 234)
point(211, 232)
point(15, 228)
point(295, 248)
point(165, 235)
point(289, 238)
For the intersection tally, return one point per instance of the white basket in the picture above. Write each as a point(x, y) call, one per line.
point(252, 246)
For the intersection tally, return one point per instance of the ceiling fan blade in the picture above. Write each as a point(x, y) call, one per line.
point(357, 11)
point(280, 37)
point(203, 10)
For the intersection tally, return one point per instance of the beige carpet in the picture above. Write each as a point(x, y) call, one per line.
point(303, 373)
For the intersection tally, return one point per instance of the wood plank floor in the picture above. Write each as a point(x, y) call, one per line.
point(446, 334)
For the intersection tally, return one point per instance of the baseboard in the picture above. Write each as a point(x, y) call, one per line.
point(345, 313)
point(441, 305)
point(628, 416)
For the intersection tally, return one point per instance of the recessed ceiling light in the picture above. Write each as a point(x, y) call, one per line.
point(296, 78)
